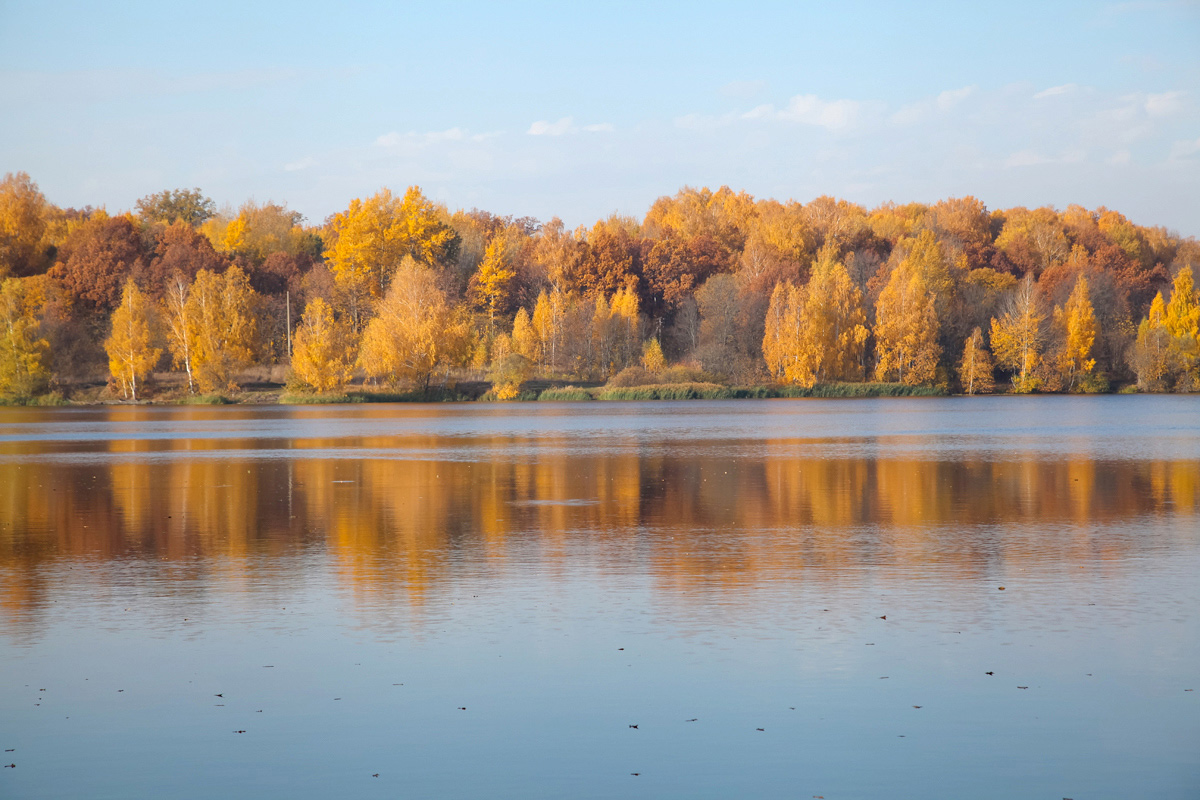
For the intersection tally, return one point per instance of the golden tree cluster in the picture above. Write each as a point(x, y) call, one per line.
point(399, 290)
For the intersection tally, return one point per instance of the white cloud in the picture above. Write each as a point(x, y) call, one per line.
point(1053, 91)
point(913, 113)
point(1158, 105)
point(952, 97)
point(565, 126)
point(543, 128)
point(808, 109)
point(1119, 158)
point(303, 163)
point(910, 114)
point(1184, 150)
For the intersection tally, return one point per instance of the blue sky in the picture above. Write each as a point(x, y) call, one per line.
point(557, 109)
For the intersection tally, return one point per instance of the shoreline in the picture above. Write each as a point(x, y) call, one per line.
point(279, 396)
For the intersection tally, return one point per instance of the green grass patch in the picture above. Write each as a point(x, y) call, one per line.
point(849, 390)
point(43, 400)
point(668, 391)
point(301, 399)
point(565, 394)
point(435, 395)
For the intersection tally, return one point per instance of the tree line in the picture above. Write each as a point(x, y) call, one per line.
point(709, 285)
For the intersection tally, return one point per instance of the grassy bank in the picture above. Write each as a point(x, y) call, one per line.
point(691, 390)
point(855, 390)
point(715, 391)
point(39, 400)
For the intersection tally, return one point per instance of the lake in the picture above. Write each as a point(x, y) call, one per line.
point(934, 598)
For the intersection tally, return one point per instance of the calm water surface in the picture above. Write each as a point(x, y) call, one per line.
point(854, 599)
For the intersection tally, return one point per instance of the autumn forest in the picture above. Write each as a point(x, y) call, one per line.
point(179, 299)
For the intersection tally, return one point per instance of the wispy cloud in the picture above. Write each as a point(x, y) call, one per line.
point(952, 97)
point(1165, 103)
point(543, 128)
point(1184, 150)
point(1054, 91)
point(808, 109)
point(566, 125)
point(912, 113)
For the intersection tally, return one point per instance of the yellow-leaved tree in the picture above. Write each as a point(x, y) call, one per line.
point(1183, 323)
point(508, 370)
point(176, 317)
point(906, 327)
point(24, 354)
point(1153, 356)
point(415, 332)
point(525, 339)
point(816, 333)
point(1078, 327)
point(492, 283)
point(222, 327)
point(653, 360)
point(781, 331)
point(547, 324)
point(323, 351)
point(131, 354)
point(615, 340)
point(1018, 334)
point(371, 237)
point(975, 370)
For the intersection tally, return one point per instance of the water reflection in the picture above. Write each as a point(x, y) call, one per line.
point(396, 514)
